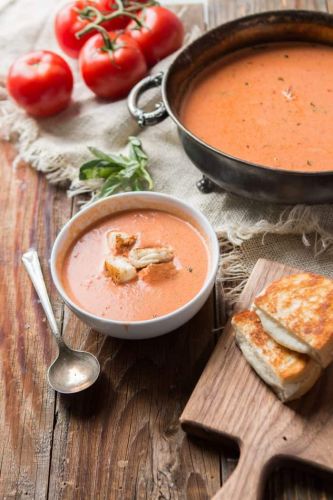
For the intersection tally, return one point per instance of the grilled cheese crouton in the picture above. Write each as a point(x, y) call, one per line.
point(289, 373)
point(119, 241)
point(119, 269)
point(297, 312)
point(142, 257)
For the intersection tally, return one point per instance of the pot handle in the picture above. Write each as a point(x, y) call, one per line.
point(142, 117)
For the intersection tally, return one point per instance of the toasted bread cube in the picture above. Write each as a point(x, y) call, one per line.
point(119, 242)
point(142, 257)
point(120, 270)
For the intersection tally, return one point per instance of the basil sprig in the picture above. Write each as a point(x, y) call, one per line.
point(121, 172)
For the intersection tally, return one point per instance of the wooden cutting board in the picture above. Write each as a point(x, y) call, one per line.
point(230, 401)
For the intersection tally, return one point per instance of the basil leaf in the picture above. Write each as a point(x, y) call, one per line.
point(136, 151)
point(121, 172)
point(110, 186)
point(96, 169)
point(87, 169)
point(147, 177)
point(111, 158)
point(98, 154)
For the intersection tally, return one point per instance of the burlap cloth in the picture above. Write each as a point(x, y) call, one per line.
point(299, 236)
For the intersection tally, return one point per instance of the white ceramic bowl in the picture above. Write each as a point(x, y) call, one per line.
point(141, 200)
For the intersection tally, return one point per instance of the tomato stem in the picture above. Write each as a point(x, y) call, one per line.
point(122, 10)
point(108, 44)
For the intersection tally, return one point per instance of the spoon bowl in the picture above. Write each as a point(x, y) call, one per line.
point(73, 371)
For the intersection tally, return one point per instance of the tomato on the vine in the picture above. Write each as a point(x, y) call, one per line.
point(67, 23)
point(111, 67)
point(70, 19)
point(161, 34)
point(41, 82)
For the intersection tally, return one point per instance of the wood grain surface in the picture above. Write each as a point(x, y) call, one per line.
point(32, 212)
point(121, 439)
point(231, 401)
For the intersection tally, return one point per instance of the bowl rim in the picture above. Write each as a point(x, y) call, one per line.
point(299, 13)
point(197, 215)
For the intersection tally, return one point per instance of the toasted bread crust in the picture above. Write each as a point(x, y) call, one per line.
point(287, 364)
point(119, 270)
point(119, 242)
point(303, 304)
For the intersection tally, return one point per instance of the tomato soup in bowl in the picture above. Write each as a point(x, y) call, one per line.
point(136, 265)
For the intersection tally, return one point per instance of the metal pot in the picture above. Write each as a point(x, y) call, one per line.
point(234, 174)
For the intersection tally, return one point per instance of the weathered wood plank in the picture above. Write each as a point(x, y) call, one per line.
point(220, 11)
point(122, 437)
point(31, 214)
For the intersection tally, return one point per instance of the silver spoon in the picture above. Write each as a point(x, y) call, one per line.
point(72, 371)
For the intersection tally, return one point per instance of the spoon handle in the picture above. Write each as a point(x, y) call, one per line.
point(31, 262)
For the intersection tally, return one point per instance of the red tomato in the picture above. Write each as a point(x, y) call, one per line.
point(112, 73)
point(41, 82)
point(68, 22)
point(162, 34)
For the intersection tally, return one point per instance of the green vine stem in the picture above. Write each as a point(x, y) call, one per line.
point(97, 17)
point(108, 43)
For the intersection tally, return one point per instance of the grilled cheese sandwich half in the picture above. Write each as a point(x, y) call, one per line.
point(288, 373)
point(297, 312)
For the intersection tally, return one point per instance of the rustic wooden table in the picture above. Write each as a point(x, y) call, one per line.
point(121, 439)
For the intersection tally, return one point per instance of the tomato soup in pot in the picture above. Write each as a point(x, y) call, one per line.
point(136, 265)
point(270, 104)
